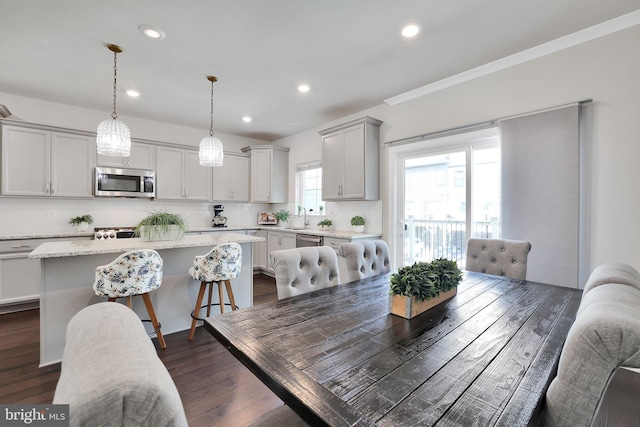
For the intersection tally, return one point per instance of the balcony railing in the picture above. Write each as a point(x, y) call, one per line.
point(426, 240)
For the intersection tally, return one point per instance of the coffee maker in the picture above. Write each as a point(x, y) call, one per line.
point(218, 220)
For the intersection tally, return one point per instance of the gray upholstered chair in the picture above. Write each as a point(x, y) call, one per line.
point(597, 361)
point(111, 374)
point(303, 270)
point(365, 258)
point(620, 273)
point(499, 257)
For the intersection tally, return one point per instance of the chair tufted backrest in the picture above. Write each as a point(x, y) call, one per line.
point(365, 258)
point(132, 273)
point(303, 270)
point(614, 272)
point(499, 257)
point(223, 262)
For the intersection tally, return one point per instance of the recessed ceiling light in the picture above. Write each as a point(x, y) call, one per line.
point(410, 30)
point(303, 88)
point(152, 32)
point(246, 119)
point(133, 93)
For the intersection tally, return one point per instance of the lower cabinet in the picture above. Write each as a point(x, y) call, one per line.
point(20, 276)
point(19, 280)
point(279, 240)
point(260, 255)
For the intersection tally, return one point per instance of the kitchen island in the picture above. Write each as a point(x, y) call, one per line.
point(68, 272)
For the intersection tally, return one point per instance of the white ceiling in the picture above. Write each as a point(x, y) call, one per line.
point(349, 52)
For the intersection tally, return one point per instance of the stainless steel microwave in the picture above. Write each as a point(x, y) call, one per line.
point(120, 182)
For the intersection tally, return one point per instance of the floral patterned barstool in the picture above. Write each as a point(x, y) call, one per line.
point(221, 264)
point(133, 273)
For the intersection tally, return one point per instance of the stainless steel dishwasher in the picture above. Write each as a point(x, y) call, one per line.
point(303, 240)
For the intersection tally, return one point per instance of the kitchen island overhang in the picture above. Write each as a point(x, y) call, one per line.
point(68, 272)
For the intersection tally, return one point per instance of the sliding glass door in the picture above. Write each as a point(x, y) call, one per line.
point(449, 195)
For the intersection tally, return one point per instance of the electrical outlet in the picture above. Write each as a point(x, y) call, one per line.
point(51, 214)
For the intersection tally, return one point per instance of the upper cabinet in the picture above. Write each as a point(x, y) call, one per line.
point(142, 157)
point(350, 160)
point(269, 173)
point(231, 180)
point(179, 175)
point(40, 162)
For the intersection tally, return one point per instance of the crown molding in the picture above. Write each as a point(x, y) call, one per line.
point(600, 30)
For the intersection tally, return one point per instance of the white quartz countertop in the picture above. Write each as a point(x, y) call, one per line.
point(342, 234)
point(91, 247)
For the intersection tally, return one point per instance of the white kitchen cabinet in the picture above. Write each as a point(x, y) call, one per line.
point(279, 240)
point(231, 180)
point(259, 250)
point(20, 277)
point(269, 173)
point(142, 157)
point(350, 160)
point(41, 162)
point(335, 242)
point(179, 175)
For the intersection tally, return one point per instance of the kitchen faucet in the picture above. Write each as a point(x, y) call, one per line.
point(306, 220)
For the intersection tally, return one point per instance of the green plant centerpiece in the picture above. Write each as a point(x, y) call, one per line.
point(161, 226)
point(357, 222)
point(81, 222)
point(325, 224)
point(282, 216)
point(418, 287)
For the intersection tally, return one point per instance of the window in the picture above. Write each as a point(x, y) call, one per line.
point(450, 193)
point(309, 186)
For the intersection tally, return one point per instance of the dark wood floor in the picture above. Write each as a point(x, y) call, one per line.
point(216, 389)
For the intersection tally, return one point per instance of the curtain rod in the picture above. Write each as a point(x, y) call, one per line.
point(477, 126)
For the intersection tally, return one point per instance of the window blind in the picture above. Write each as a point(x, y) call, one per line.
point(541, 191)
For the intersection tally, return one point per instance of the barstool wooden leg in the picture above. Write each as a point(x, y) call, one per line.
point(232, 300)
point(210, 298)
point(221, 296)
point(154, 319)
point(203, 286)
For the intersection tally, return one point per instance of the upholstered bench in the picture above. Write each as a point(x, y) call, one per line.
point(600, 354)
point(111, 374)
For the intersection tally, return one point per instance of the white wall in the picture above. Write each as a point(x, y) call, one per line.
point(606, 69)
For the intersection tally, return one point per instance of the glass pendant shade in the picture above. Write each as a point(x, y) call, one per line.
point(211, 151)
point(113, 138)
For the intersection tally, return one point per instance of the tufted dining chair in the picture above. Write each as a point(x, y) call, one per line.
point(219, 265)
point(136, 272)
point(303, 270)
point(499, 257)
point(366, 258)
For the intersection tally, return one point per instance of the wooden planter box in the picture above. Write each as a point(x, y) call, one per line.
point(410, 307)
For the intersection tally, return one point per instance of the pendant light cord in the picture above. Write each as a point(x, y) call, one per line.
point(211, 125)
point(114, 115)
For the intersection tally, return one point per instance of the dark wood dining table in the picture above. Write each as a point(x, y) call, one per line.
point(338, 357)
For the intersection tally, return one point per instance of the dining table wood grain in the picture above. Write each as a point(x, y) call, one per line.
point(339, 358)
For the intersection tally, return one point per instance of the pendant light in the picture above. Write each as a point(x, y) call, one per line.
point(211, 151)
point(114, 138)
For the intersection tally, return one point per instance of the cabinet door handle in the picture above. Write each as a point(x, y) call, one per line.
point(186, 193)
point(53, 188)
point(20, 246)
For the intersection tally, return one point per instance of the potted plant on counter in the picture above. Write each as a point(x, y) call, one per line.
point(81, 222)
point(282, 216)
point(357, 222)
point(418, 287)
point(161, 226)
point(325, 224)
